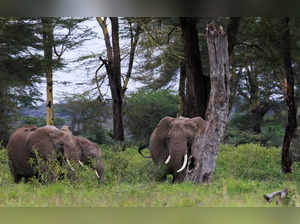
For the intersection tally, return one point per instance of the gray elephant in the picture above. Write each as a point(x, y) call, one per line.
point(48, 142)
point(84, 152)
point(171, 141)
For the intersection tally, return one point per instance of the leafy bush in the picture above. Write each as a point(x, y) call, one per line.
point(240, 131)
point(145, 109)
point(127, 166)
point(99, 135)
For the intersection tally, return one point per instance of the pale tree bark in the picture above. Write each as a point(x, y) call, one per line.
point(201, 163)
point(48, 39)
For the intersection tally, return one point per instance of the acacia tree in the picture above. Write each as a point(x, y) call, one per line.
point(201, 163)
point(112, 65)
point(59, 34)
point(48, 40)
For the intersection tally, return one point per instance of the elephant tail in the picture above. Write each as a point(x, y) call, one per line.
point(140, 151)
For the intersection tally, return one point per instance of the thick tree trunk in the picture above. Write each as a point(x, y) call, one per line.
point(113, 69)
point(48, 44)
point(115, 82)
point(198, 85)
point(286, 161)
point(4, 136)
point(201, 163)
point(232, 30)
point(181, 90)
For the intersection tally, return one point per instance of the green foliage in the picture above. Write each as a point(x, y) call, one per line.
point(37, 121)
point(144, 109)
point(127, 167)
point(86, 117)
point(240, 130)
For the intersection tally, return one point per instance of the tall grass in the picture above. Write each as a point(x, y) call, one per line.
point(243, 174)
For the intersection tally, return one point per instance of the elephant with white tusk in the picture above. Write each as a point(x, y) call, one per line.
point(49, 142)
point(171, 141)
point(85, 152)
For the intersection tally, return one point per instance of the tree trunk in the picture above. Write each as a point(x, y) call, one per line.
point(113, 69)
point(115, 82)
point(48, 57)
point(201, 163)
point(198, 85)
point(4, 129)
point(258, 112)
point(232, 30)
point(134, 38)
point(181, 90)
point(286, 161)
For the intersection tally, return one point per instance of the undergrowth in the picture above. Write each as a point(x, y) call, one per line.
point(243, 175)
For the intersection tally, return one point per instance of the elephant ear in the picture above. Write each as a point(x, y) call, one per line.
point(158, 141)
point(201, 124)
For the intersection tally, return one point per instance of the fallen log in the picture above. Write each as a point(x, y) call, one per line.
point(269, 197)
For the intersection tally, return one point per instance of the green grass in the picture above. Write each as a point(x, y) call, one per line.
point(243, 175)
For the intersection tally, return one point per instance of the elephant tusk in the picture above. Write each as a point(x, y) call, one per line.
point(168, 159)
point(81, 164)
point(97, 174)
point(70, 165)
point(184, 164)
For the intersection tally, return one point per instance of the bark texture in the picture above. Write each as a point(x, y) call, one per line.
point(113, 69)
point(181, 91)
point(197, 84)
point(48, 39)
point(286, 160)
point(205, 148)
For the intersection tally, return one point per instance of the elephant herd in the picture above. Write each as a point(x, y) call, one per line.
point(49, 142)
point(170, 144)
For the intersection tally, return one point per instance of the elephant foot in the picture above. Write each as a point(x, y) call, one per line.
point(17, 178)
point(162, 178)
point(178, 178)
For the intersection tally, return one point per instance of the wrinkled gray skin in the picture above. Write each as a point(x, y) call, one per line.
point(47, 141)
point(174, 137)
point(86, 152)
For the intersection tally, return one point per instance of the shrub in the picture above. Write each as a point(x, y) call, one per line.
point(145, 109)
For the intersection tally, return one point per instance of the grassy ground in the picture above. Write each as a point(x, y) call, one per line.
point(243, 175)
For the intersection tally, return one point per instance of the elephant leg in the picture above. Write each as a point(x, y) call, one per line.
point(17, 178)
point(162, 178)
point(178, 177)
point(26, 179)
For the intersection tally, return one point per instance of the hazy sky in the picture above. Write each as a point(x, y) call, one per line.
point(79, 77)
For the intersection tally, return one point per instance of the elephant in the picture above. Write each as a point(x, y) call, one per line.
point(171, 142)
point(88, 151)
point(49, 143)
